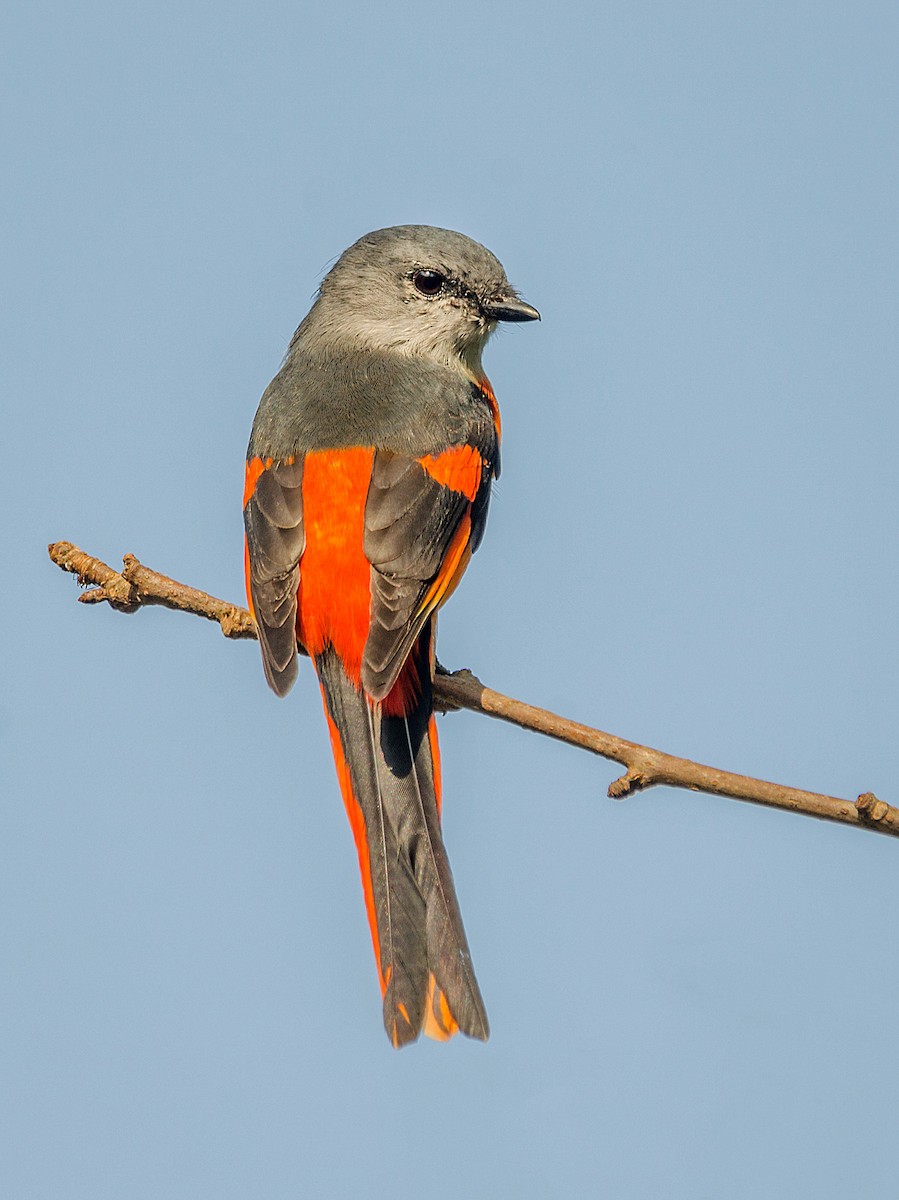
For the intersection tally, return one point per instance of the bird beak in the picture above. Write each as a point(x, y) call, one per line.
point(503, 308)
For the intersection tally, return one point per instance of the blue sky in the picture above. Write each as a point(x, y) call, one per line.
point(693, 543)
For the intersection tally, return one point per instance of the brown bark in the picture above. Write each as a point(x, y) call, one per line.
point(137, 585)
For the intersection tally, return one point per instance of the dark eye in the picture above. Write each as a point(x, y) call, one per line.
point(429, 283)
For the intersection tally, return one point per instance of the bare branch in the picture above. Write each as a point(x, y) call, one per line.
point(137, 585)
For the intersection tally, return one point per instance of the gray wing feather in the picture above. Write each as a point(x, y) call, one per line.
point(273, 519)
point(410, 519)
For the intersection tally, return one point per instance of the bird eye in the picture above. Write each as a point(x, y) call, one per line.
point(429, 283)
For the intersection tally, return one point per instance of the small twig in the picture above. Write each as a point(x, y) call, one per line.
point(111, 585)
point(138, 585)
point(644, 767)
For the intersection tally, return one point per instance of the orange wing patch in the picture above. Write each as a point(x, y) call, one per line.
point(460, 469)
point(255, 467)
point(456, 559)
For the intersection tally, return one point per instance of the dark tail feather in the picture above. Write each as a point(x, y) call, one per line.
point(390, 786)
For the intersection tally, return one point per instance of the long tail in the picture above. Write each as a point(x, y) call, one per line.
point(389, 772)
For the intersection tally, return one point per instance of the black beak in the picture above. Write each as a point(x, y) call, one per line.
point(502, 308)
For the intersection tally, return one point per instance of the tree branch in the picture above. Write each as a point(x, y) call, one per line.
point(137, 585)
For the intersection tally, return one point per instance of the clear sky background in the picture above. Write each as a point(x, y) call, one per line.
point(693, 544)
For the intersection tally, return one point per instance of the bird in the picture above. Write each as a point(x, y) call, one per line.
point(368, 478)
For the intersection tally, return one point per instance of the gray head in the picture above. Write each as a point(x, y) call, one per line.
point(414, 289)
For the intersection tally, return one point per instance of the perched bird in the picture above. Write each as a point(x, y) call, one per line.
point(368, 478)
